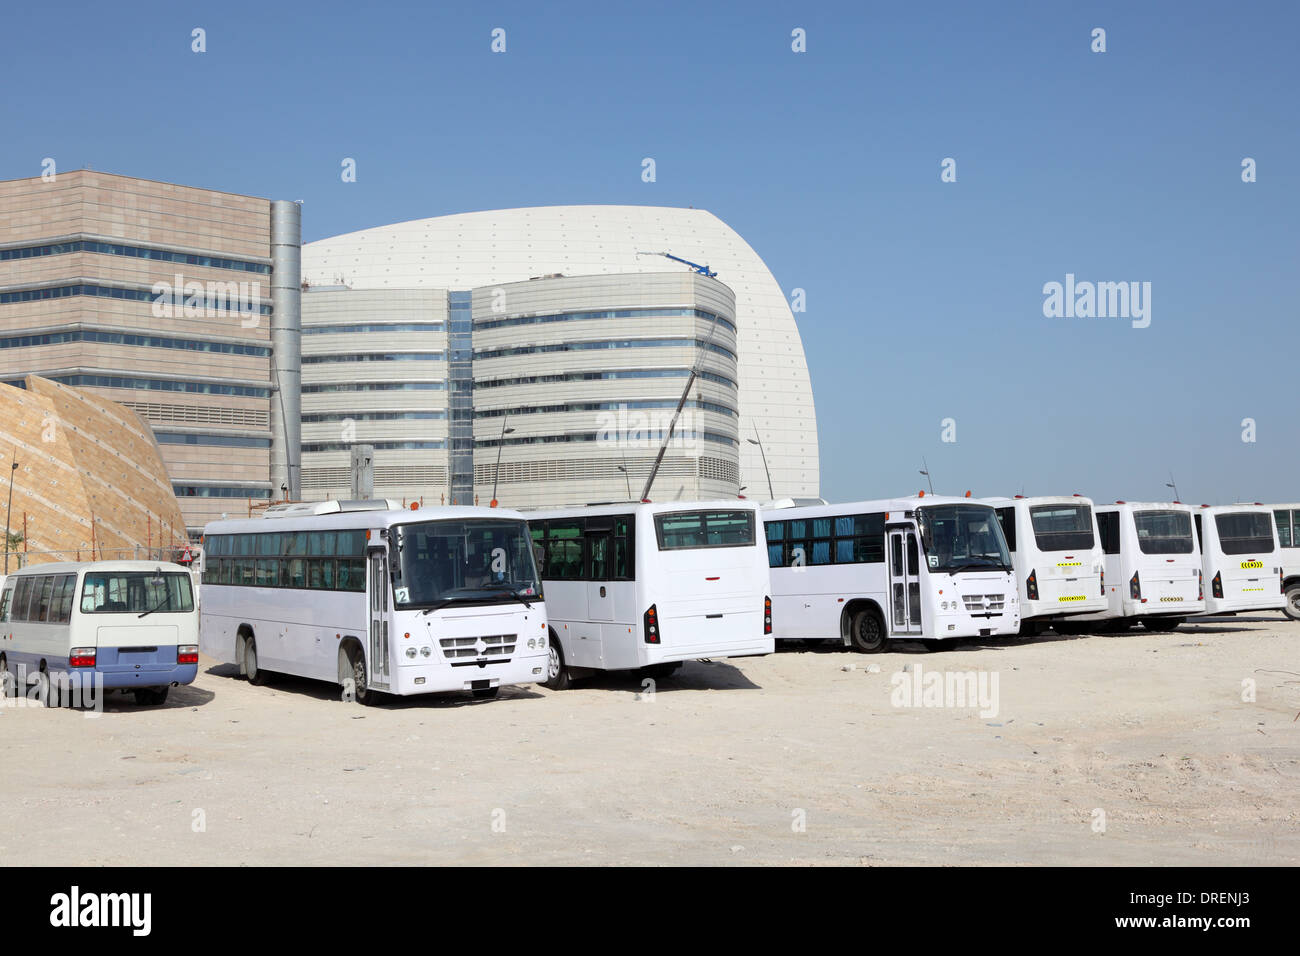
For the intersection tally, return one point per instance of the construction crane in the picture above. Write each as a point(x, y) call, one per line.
point(702, 270)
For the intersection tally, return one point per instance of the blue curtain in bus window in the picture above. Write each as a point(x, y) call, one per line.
point(821, 551)
point(844, 526)
point(774, 555)
point(843, 547)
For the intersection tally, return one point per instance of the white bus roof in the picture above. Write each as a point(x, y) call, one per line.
point(71, 567)
point(1040, 500)
point(1146, 505)
point(1240, 507)
point(857, 507)
point(653, 507)
point(364, 518)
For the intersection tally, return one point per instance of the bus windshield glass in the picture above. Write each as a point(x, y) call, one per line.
point(1164, 532)
point(1246, 532)
point(690, 530)
point(1062, 527)
point(962, 538)
point(136, 592)
point(475, 561)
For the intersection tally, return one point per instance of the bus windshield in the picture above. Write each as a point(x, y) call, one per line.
point(136, 592)
point(1164, 532)
point(689, 530)
point(962, 538)
point(1062, 527)
point(1246, 532)
point(475, 561)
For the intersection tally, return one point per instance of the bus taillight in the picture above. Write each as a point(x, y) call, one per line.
point(1200, 585)
point(652, 626)
point(767, 615)
point(1031, 585)
point(81, 657)
point(1216, 585)
point(1103, 582)
point(187, 654)
point(1135, 587)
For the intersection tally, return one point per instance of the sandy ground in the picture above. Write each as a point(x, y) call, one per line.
point(720, 766)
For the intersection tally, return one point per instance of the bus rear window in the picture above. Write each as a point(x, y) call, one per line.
point(1164, 532)
point(1062, 527)
point(688, 530)
point(135, 592)
point(1246, 532)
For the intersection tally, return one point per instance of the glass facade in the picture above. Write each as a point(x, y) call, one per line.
point(133, 252)
point(460, 342)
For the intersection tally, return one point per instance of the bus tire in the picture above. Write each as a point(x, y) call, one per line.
point(557, 674)
point(151, 696)
point(867, 632)
point(362, 693)
point(8, 682)
point(485, 693)
point(1292, 606)
point(256, 676)
point(43, 686)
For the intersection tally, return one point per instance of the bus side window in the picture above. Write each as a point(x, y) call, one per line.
point(1108, 527)
point(1007, 518)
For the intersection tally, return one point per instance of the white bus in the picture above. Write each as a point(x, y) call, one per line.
point(1056, 552)
point(649, 586)
point(1240, 558)
point(112, 625)
point(1153, 566)
point(1287, 519)
point(927, 569)
point(379, 599)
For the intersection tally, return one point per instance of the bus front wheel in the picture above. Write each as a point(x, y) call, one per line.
point(1292, 607)
point(362, 692)
point(868, 633)
point(8, 683)
point(557, 675)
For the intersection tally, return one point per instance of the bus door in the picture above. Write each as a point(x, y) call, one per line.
point(904, 581)
point(600, 551)
point(378, 650)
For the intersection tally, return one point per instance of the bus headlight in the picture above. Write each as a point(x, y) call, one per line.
point(426, 651)
point(410, 652)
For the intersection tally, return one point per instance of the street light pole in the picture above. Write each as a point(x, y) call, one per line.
point(626, 480)
point(12, 468)
point(753, 441)
point(497, 470)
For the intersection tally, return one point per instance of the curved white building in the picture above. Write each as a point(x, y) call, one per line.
point(615, 305)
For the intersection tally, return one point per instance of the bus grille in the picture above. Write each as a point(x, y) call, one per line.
point(984, 602)
point(496, 645)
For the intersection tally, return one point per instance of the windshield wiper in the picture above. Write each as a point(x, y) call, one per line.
point(514, 594)
point(156, 607)
point(970, 566)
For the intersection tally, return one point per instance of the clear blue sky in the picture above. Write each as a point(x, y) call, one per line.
point(924, 298)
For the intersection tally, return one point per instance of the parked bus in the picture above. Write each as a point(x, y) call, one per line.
point(649, 586)
point(1056, 552)
point(1240, 559)
point(382, 600)
point(1287, 519)
point(127, 626)
point(1153, 566)
point(928, 568)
